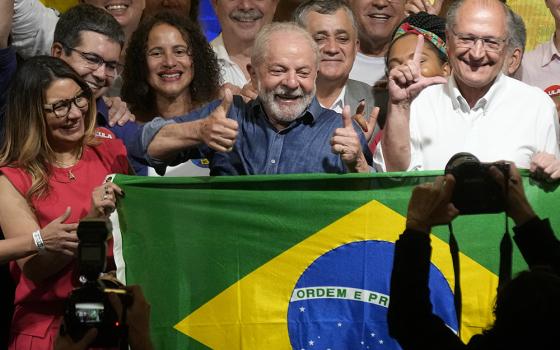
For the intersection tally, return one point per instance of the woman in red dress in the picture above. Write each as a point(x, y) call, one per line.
point(52, 172)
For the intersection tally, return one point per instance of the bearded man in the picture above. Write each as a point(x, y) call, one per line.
point(285, 130)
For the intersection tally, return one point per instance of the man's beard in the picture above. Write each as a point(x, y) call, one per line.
point(284, 114)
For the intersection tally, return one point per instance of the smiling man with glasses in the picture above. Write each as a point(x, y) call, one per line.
point(90, 40)
point(477, 110)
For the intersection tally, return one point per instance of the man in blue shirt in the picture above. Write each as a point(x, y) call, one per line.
point(284, 131)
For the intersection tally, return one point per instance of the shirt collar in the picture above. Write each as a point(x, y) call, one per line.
point(550, 52)
point(338, 104)
point(220, 49)
point(484, 102)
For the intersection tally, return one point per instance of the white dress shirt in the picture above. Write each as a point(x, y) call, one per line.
point(541, 67)
point(512, 121)
point(230, 72)
point(338, 104)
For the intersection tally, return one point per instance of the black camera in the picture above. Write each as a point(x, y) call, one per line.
point(88, 306)
point(476, 192)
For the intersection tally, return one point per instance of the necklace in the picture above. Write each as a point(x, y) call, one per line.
point(71, 175)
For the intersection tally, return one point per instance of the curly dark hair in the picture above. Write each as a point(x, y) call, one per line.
point(431, 23)
point(206, 77)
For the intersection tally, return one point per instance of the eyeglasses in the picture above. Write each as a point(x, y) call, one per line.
point(489, 43)
point(94, 61)
point(62, 108)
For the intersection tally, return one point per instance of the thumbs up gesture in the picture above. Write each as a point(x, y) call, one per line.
point(217, 131)
point(406, 80)
point(345, 141)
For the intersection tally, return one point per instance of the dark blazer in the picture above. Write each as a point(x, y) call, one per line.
point(357, 91)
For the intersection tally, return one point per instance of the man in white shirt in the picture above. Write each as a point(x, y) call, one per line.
point(240, 20)
point(478, 110)
point(377, 19)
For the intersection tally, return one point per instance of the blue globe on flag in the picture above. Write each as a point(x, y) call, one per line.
point(341, 299)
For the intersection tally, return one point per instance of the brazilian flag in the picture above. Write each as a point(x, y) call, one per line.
point(293, 261)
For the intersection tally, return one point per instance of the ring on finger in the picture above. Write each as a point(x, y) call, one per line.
point(105, 196)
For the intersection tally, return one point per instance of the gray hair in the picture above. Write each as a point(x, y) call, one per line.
point(262, 39)
point(324, 7)
point(456, 5)
point(517, 32)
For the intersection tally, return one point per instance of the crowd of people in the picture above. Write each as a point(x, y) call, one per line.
point(335, 87)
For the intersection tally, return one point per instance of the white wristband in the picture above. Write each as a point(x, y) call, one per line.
point(38, 240)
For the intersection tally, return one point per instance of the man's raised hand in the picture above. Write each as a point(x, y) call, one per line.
point(217, 131)
point(406, 80)
point(415, 6)
point(345, 141)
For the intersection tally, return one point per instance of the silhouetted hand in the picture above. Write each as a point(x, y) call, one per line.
point(430, 204)
point(65, 342)
point(138, 317)
point(518, 207)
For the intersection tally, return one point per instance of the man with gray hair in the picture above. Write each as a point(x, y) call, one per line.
point(333, 27)
point(477, 110)
point(284, 130)
point(516, 46)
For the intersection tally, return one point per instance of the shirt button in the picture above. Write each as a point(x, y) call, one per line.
point(273, 161)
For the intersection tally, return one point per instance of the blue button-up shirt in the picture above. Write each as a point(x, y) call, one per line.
point(303, 147)
point(125, 133)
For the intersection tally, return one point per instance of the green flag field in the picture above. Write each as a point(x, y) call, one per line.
point(294, 261)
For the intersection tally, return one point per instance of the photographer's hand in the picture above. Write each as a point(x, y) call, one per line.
point(518, 206)
point(138, 318)
point(430, 204)
point(65, 342)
